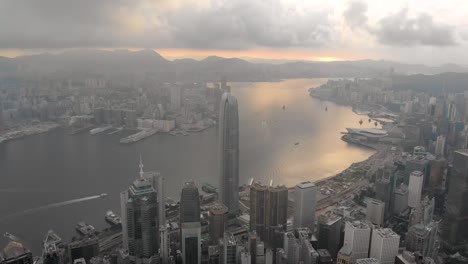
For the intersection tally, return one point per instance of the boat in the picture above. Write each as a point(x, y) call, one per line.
point(284, 107)
point(139, 136)
point(85, 229)
point(102, 195)
point(112, 218)
point(99, 130)
point(326, 108)
point(297, 143)
point(360, 122)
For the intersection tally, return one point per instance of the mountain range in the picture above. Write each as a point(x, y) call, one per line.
point(150, 63)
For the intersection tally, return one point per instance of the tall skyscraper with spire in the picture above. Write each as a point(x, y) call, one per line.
point(229, 153)
point(140, 223)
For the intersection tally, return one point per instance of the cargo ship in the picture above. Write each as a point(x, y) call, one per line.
point(85, 229)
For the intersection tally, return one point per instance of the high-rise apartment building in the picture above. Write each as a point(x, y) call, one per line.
point(229, 153)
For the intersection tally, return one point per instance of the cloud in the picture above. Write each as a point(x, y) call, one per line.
point(245, 24)
point(145, 23)
point(400, 30)
point(355, 14)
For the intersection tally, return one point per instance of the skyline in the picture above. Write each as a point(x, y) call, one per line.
point(427, 32)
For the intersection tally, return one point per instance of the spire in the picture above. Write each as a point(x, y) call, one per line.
point(141, 167)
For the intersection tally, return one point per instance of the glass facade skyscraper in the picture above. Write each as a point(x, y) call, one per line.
point(229, 153)
point(190, 224)
point(140, 209)
point(455, 231)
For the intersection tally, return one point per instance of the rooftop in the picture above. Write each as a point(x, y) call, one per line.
point(305, 185)
point(386, 233)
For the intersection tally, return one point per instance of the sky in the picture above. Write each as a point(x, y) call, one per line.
point(432, 32)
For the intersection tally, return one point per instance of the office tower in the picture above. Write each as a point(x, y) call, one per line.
point(437, 173)
point(356, 241)
point(440, 146)
point(375, 212)
point(246, 257)
point(291, 247)
point(190, 223)
point(415, 163)
point(329, 233)
point(229, 249)
point(324, 256)
point(217, 220)
point(281, 257)
point(384, 245)
point(455, 230)
point(268, 210)
point(229, 153)
point(407, 257)
point(308, 254)
point(400, 198)
point(384, 187)
point(276, 210)
point(268, 256)
point(176, 97)
point(305, 196)
point(51, 252)
point(16, 253)
point(367, 261)
point(140, 221)
point(158, 182)
point(415, 189)
point(253, 245)
point(422, 238)
point(258, 209)
point(85, 248)
point(259, 257)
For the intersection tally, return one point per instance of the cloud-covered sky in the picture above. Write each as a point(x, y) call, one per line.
point(420, 31)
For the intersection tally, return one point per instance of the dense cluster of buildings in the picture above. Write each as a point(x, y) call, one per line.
point(413, 208)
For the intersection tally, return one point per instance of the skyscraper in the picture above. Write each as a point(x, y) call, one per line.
point(329, 233)
point(375, 212)
point(422, 238)
point(190, 224)
point(217, 219)
point(455, 231)
point(229, 153)
point(304, 205)
point(415, 189)
point(440, 146)
point(140, 221)
point(384, 245)
point(356, 241)
point(268, 210)
point(257, 208)
point(158, 181)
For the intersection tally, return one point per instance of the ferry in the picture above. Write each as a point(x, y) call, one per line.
point(98, 130)
point(85, 229)
point(102, 195)
point(112, 218)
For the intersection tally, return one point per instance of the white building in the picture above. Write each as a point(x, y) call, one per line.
point(305, 195)
point(375, 212)
point(440, 146)
point(356, 240)
point(415, 189)
point(384, 245)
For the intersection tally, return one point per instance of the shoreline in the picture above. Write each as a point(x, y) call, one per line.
point(37, 129)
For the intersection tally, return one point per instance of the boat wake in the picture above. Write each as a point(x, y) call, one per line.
point(50, 206)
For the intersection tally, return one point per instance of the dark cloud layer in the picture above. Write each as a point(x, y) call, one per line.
point(220, 24)
point(224, 24)
point(399, 29)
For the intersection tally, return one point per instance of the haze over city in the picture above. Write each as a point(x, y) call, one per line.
point(233, 132)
